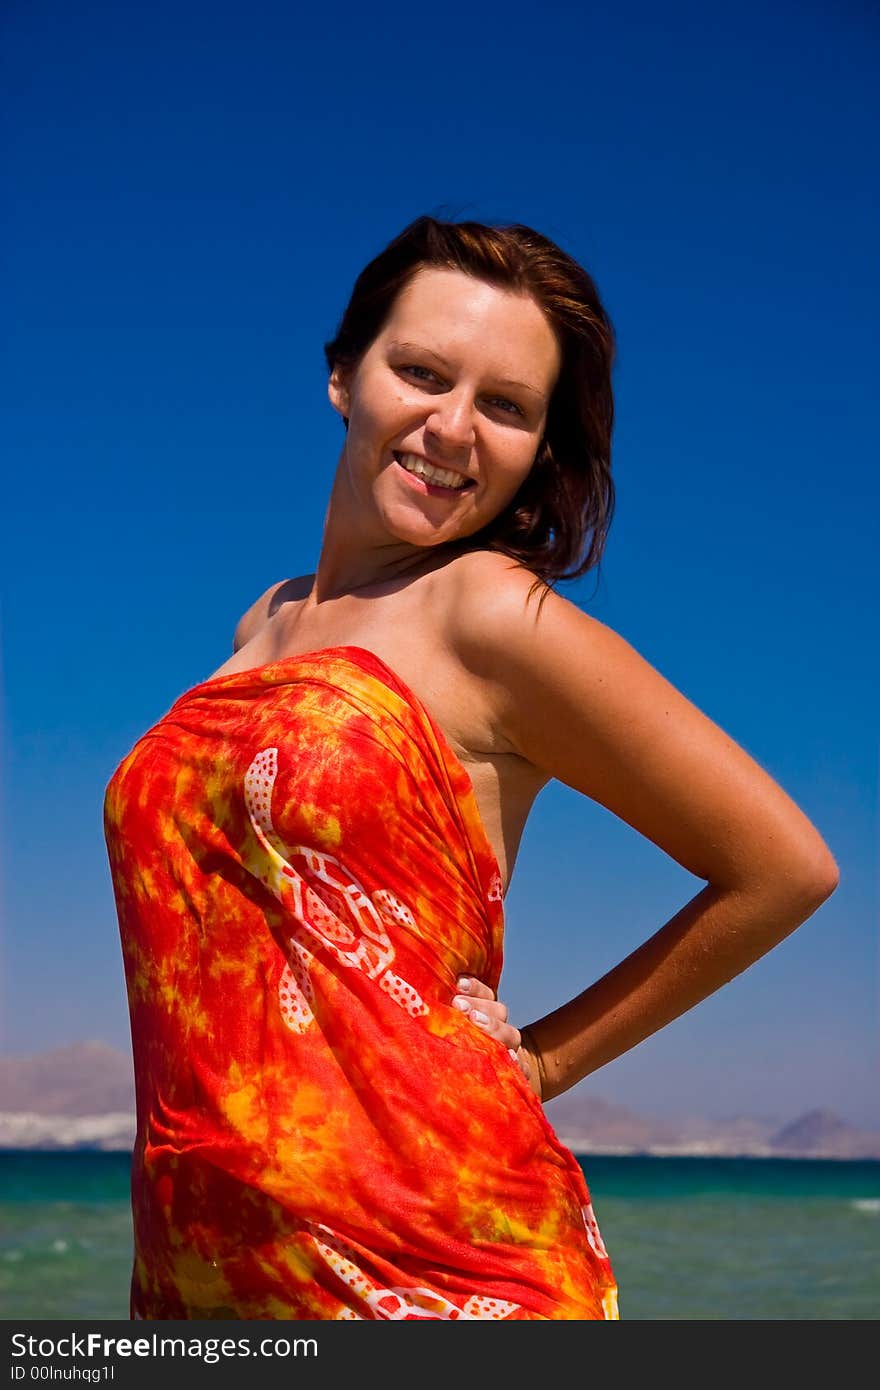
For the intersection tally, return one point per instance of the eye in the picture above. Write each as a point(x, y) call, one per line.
point(509, 407)
point(420, 373)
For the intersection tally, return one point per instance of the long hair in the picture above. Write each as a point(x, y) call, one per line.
point(557, 523)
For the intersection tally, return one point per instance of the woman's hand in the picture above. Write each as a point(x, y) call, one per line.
point(488, 1013)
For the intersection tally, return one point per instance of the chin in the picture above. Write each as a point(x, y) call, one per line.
point(418, 531)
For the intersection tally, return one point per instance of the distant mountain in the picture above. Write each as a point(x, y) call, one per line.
point(78, 1097)
point(589, 1125)
point(87, 1078)
point(588, 1122)
point(820, 1134)
point(82, 1096)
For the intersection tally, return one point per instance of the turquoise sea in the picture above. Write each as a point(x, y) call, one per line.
point(691, 1238)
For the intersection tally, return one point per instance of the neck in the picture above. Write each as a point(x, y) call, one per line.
point(352, 558)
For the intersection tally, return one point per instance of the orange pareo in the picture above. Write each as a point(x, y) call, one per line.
point(301, 873)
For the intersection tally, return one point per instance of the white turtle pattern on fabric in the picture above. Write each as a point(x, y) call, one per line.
point(396, 1304)
point(371, 951)
point(597, 1245)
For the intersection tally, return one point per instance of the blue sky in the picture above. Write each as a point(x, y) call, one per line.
point(193, 190)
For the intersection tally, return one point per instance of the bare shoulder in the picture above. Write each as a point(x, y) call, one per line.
point(490, 610)
point(267, 605)
point(493, 606)
point(485, 583)
point(538, 645)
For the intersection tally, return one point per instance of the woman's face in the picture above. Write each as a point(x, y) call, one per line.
point(446, 408)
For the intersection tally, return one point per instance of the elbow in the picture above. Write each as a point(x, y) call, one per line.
point(816, 878)
point(795, 884)
point(809, 870)
point(831, 877)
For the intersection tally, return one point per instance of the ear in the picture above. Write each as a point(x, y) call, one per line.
point(338, 391)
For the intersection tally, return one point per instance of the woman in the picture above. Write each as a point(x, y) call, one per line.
point(310, 850)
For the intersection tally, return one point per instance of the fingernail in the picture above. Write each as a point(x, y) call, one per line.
point(464, 983)
point(463, 1004)
point(479, 1017)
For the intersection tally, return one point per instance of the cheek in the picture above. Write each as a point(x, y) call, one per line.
point(520, 458)
point(408, 404)
point(386, 413)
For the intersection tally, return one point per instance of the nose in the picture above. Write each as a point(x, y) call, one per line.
point(451, 422)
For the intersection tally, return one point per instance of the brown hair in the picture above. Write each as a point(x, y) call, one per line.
point(557, 523)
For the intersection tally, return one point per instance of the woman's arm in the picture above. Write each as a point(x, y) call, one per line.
point(575, 700)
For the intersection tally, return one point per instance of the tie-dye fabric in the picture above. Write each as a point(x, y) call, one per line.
point(301, 873)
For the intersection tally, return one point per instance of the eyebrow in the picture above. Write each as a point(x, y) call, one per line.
point(502, 381)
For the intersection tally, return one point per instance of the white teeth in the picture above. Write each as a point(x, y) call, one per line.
point(444, 476)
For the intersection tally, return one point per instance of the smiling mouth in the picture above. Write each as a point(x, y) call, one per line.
point(445, 479)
